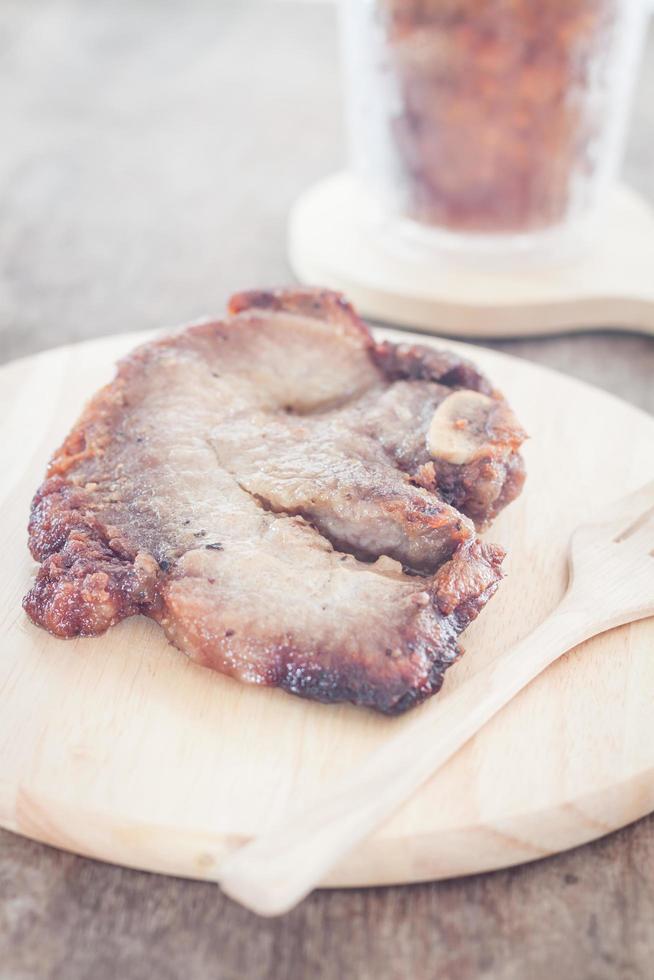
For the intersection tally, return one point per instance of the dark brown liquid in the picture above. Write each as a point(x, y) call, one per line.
point(500, 107)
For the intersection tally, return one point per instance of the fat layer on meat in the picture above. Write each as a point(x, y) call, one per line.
point(263, 488)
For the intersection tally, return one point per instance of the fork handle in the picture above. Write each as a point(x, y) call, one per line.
point(274, 872)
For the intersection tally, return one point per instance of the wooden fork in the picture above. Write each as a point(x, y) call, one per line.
point(611, 582)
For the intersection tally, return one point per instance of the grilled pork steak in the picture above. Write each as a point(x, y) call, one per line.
point(292, 502)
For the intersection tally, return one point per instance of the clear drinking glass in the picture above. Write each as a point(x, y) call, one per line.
point(489, 117)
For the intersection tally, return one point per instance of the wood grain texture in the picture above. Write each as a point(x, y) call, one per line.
point(611, 583)
point(101, 230)
point(85, 725)
point(584, 914)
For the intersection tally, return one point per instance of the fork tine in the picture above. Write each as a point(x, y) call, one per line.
point(627, 510)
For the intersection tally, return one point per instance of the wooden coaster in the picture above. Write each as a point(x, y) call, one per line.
point(604, 279)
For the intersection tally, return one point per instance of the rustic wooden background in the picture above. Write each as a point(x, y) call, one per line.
point(150, 152)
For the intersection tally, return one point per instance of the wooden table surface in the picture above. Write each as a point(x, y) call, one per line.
point(150, 152)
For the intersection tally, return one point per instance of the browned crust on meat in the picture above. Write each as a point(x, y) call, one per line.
point(323, 304)
point(415, 362)
point(416, 671)
point(481, 488)
point(409, 670)
point(88, 579)
point(91, 576)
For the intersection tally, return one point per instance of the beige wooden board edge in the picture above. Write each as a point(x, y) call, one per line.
point(333, 240)
point(120, 749)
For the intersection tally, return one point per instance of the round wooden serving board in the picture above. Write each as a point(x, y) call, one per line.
point(121, 749)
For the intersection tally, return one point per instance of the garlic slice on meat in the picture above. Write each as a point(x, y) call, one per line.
point(458, 427)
